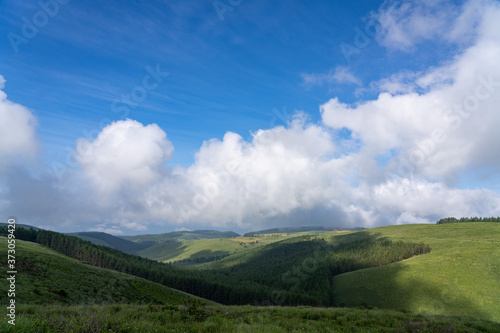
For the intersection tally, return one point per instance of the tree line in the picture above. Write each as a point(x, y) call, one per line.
point(468, 219)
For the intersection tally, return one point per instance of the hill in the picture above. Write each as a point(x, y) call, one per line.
point(206, 250)
point(19, 225)
point(255, 276)
point(294, 230)
point(49, 277)
point(448, 269)
point(180, 236)
point(101, 238)
point(460, 276)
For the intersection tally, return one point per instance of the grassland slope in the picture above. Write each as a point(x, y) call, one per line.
point(459, 277)
point(48, 277)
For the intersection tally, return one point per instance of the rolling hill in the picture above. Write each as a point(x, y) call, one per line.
point(180, 236)
point(194, 252)
point(367, 269)
point(19, 225)
point(49, 277)
point(205, 250)
point(295, 230)
point(101, 238)
point(460, 276)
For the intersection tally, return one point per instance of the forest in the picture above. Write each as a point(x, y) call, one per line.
point(296, 271)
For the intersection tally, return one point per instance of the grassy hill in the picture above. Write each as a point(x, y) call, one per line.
point(460, 276)
point(191, 250)
point(101, 238)
point(181, 236)
point(48, 277)
point(319, 229)
point(206, 250)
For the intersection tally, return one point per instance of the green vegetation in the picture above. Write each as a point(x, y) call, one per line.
point(181, 236)
point(459, 277)
point(189, 251)
point(46, 276)
point(296, 271)
point(19, 225)
point(468, 219)
point(291, 230)
point(101, 238)
point(196, 317)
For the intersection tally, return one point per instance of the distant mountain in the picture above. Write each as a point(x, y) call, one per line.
point(102, 238)
point(180, 236)
point(19, 225)
point(294, 229)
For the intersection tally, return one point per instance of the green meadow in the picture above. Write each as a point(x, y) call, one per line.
point(453, 286)
point(459, 277)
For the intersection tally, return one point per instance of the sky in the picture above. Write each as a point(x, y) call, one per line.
point(134, 117)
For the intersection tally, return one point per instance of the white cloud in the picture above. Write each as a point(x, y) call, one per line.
point(405, 24)
point(407, 148)
point(125, 154)
point(109, 230)
point(339, 75)
point(443, 121)
point(17, 130)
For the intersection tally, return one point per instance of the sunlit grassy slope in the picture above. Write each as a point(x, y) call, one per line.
point(171, 252)
point(460, 276)
point(181, 236)
point(48, 277)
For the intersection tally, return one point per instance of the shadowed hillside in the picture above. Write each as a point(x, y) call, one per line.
point(101, 238)
point(460, 276)
point(49, 277)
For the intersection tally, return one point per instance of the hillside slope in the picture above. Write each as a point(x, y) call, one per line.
point(181, 236)
point(48, 277)
point(460, 276)
point(101, 238)
point(208, 249)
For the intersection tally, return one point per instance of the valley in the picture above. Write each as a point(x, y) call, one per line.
point(388, 278)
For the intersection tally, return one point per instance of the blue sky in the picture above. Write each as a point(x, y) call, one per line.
point(241, 67)
point(224, 75)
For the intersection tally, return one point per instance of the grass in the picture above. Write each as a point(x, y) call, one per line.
point(195, 317)
point(45, 276)
point(459, 277)
point(454, 288)
point(171, 252)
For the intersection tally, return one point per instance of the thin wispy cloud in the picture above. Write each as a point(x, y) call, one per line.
point(340, 75)
point(394, 149)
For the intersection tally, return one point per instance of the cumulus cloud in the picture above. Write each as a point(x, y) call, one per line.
point(17, 130)
point(124, 154)
point(435, 127)
point(393, 159)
